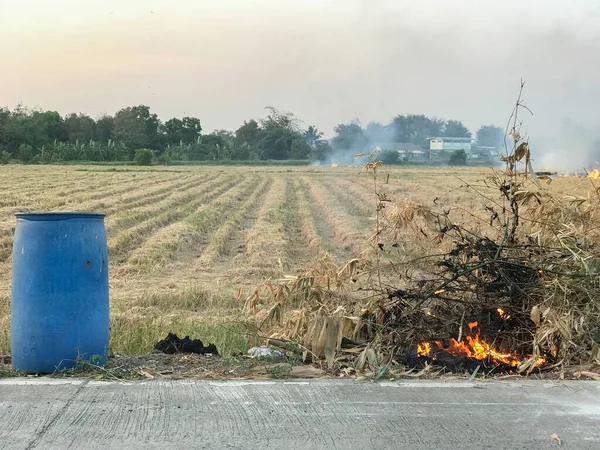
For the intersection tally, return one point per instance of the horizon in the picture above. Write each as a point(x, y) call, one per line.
point(326, 62)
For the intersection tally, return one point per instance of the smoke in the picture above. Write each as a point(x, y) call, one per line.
point(326, 61)
point(355, 139)
point(573, 147)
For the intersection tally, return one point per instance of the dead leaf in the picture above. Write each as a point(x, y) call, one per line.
point(536, 315)
point(145, 374)
point(306, 372)
point(353, 350)
point(334, 328)
point(545, 178)
point(318, 344)
point(585, 373)
point(521, 151)
point(556, 438)
point(270, 367)
point(595, 354)
point(362, 359)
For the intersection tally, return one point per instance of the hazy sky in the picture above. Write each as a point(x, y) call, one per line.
point(327, 61)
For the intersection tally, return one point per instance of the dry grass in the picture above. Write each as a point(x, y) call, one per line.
point(503, 241)
point(266, 241)
point(188, 245)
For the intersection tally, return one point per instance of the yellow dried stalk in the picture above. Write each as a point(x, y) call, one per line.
point(317, 308)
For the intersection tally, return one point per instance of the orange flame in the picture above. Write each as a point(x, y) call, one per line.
point(594, 174)
point(423, 349)
point(474, 347)
point(503, 314)
point(334, 165)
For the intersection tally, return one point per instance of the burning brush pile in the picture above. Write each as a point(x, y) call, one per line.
point(469, 354)
point(515, 289)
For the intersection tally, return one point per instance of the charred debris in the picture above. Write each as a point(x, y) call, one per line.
point(512, 288)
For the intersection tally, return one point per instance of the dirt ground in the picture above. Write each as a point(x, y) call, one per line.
point(156, 365)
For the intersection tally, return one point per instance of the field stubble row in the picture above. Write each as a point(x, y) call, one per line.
point(184, 243)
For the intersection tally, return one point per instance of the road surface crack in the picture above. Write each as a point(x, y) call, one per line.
point(39, 436)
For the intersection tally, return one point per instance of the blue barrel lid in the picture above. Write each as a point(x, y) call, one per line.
point(59, 215)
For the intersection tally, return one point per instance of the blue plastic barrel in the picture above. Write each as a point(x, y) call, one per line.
point(59, 306)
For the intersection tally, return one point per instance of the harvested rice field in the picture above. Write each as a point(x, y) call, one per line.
point(187, 245)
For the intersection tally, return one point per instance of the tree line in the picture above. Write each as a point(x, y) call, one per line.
point(137, 134)
point(413, 129)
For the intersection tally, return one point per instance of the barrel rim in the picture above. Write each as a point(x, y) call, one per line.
point(57, 215)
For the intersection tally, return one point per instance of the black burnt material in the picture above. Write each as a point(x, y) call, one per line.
point(173, 344)
point(457, 364)
point(454, 364)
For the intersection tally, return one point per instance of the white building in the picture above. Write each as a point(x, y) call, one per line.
point(450, 143)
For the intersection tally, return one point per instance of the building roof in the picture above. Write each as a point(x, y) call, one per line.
point(397, 146)
point(452, 139)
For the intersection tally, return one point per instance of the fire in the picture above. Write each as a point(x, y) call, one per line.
point(594, 174)
point(476, 348)
point(334, 165)
point(423, 349)
point(503, 314)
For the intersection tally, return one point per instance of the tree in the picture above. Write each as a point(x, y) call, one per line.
point(212, 147)
point(490, 136)
point(278, 133)
point(105, 126)
point(349, 138)
point(143, 156)
point(80, 127)
point(455, 128)
point(172, 130)
point(52, 125)
point(319, 148)
point(416, 128)
point(227, 136)
point(280, 119)
point(10, 136)
point(186, 130)
point(458, 158)
point(312, 136)
point(30, 128)
point(191, 128)
point(246, 141)
point(277, 142)
point(378, 133)
point(136, 127)
point(5, 118)
point(389, 157)
point(322, 150)
point(299, 150)
point(26, 153)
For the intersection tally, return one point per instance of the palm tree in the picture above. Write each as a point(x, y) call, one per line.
point(312, 136)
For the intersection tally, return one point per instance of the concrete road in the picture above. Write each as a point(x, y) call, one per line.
point(81, 414)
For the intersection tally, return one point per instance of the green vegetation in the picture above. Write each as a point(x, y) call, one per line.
point(138, 336)
point(389, 157)
point(458, 158)
point(143, 157)
point(44, 137)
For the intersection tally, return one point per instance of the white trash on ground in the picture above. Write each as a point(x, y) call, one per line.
point(266, 352)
